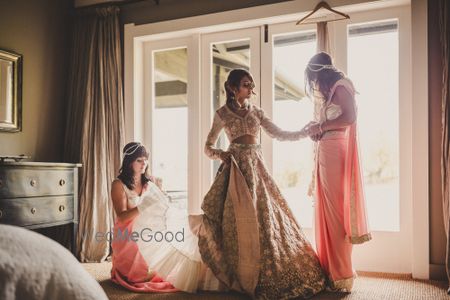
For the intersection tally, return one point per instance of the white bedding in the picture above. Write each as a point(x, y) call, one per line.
point(33, 266)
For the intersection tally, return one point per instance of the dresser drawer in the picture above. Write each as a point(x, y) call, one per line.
point(24, 182)
point(37, 210)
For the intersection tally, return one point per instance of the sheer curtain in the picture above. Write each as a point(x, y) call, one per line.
point(95, 127)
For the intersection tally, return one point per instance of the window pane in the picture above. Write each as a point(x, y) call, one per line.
point(375, 73)
point(225, 57)
point(170, 124)
point(293, 161)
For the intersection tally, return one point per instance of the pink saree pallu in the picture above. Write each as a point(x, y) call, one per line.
point(340, 208)
point(248, 236)
point(129, 267)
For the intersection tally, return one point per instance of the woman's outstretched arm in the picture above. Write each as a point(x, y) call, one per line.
point(276, 132)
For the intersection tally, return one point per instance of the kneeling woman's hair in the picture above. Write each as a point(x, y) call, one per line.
point(131, 152)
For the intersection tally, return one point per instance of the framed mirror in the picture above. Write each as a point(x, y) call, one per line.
point(10, 91)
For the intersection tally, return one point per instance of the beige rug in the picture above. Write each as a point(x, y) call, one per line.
point(367, 286)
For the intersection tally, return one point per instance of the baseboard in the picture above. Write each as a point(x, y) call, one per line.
point(437, 272)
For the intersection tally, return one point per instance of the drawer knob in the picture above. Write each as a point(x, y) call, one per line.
point(1, 213)
point(33, 210)
point(61, 208)
point(62, 182)
point(33, 182)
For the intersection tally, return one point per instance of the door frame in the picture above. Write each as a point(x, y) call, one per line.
point(136, 35)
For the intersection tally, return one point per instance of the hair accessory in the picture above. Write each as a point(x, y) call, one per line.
point(320, 67)
point(132, 149)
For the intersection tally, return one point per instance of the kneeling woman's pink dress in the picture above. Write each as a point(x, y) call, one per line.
point(155, 251)
point(340, 215)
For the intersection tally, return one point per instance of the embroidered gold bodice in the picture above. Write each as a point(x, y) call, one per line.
point(249, 124)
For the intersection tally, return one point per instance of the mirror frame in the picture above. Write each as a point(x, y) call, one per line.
point(13, 122)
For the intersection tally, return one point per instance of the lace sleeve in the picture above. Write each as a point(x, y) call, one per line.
point(211, 140)
point(276, 132)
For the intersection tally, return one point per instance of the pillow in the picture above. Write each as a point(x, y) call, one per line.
point(33, 266)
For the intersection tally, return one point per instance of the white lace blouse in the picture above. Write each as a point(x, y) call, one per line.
point(249, 124)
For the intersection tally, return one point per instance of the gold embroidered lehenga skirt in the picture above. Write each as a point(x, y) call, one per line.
point(249, 237)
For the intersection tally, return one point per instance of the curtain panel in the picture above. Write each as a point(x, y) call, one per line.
point(445, 163)
point(95, 126)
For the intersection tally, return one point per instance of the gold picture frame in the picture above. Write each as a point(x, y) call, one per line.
point(10, 91)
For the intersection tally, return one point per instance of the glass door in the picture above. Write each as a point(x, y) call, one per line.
point(288, 49)
point(380, 75)
point(167, 106)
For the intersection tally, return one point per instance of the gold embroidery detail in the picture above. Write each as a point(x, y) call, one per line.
point(360, 239)
point(343, 285)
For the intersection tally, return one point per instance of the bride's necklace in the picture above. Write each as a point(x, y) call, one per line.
point(240, 107)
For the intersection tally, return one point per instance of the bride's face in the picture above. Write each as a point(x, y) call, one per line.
point(245, 90)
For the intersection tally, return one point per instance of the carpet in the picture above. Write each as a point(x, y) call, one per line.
point(368, 286)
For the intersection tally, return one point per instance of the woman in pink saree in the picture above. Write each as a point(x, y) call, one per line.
point(153, 249)
point(340, 215)
point(248, 235)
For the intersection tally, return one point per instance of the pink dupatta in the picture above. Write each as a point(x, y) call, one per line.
point(355, 216)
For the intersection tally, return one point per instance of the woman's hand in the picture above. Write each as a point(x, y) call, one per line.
point(225, 156)
point(314, 129)
point(306, 127)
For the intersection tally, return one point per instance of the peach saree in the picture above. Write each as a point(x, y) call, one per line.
point(340, 213)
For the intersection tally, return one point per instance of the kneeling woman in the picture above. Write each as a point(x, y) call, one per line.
point(153, 248)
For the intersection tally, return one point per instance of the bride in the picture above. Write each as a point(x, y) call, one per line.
point(248, 235)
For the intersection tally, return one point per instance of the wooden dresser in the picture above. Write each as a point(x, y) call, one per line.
point(38, 195)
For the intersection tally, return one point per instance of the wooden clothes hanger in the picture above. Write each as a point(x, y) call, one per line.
point(322, 4)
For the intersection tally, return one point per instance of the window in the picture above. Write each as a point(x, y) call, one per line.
point(170, 123)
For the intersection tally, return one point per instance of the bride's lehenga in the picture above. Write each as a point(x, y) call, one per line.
point(248, 235)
